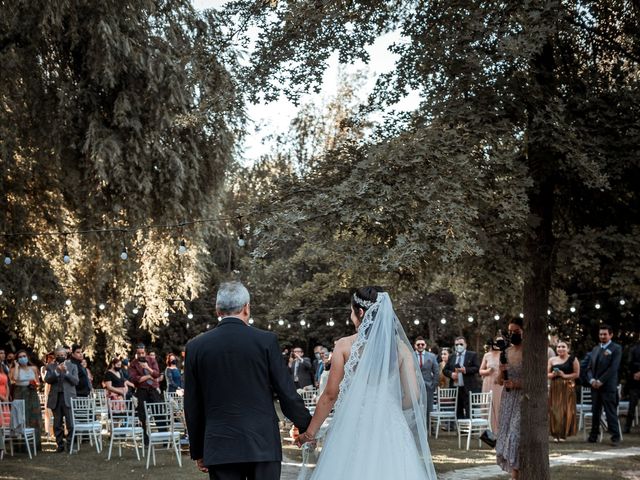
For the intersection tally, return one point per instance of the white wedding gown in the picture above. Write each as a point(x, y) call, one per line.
point(379, 429)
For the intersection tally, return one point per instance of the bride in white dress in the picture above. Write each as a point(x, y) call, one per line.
point(379, 429)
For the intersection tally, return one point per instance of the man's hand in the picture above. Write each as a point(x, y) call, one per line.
point(62, 367)
point(636, 376)
point(304, 438)
point(463, 370)
point(454, 376)
point(201, 466)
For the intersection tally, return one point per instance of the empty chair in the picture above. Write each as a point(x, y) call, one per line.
point(124, 426)
point(584, 407)
point(102, 409)
point(445, 409)
point(83, 413)
point(480, 419)
point(309, 395)
point(161, 431)
point(14, 426)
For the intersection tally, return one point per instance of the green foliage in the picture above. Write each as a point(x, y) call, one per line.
point(114, 115)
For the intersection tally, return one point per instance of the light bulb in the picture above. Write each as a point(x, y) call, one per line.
point(331, 323)
point(496, 317)
point(548, 312)
point(0, 291)
point(241, 242)
point(280, 322)
point(622, 302)
point(187, 325)
point(597, 305)
point(189, 315)
point(7, 259)
point(470, 319)
point(572, 309)
point(288, 325)
point(66, 258)
point(208, 326)
point(68, 302)
point(303, 323)
point(102, 306)
point(124, 255)
point(521, 315)
point(251, 321)
point(443, 321)
point(269, 326)
point(166, 314)
point(182, 249)
point(219, 319)
point(416, 322)
point(135, 310)
point(34, 297)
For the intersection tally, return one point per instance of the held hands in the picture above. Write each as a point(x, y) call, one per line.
point(304, 438)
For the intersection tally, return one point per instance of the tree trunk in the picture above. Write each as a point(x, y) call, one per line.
point(541, 160)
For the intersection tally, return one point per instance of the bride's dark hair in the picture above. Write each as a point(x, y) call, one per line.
point(366, 294)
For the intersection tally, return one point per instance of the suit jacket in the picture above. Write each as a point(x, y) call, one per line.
point(231, 373)
point(472, 366)
point(306, 373)
point(83, 388)
point(604, 366)
point(430, 370)
point(65, 383)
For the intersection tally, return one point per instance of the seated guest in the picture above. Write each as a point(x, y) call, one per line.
point(562, 371)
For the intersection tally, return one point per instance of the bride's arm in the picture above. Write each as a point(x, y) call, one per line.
point(331, 391)
point(408, 378)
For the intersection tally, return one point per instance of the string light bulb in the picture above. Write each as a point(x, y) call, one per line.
point(521, 315)
point(67, 302)
point(548, 312)
point(123, 254)
point(241, 242)
point(416, 322)
point(281, 322)
point(331, 322)
point(470, 319)
point(102, 306)
point(251, 321)
point(34, 297)
point(622, 301)
point(166, 314)
point(597, 305)
point(135, 310)
point(572, 309)
point(66, 259)
point(182, 249)
point(0, 291)
point(443, 321)
point(189, 315)
point(302, 323)
point(496, 317)
point(7, 259)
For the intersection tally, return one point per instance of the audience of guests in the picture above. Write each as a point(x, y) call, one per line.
point(511, 375)
point(562, 371)
point(490, 371)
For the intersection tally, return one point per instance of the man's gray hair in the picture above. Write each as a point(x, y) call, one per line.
point(231, 297)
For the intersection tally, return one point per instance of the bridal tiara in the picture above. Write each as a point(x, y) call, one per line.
point(361, 301)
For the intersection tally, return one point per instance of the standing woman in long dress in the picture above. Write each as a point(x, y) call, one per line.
point(25, 377)
point(380, 401)
point(490, 371)
point(563, 370)
point(508, 444)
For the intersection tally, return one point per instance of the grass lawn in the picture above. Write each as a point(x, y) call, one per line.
point(446, 455)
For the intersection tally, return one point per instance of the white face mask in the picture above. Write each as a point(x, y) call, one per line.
point(459, 349)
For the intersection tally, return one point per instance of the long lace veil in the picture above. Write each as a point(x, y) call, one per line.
point(382, 394)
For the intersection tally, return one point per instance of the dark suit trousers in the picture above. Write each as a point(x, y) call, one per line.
point(462, 410)
point(246, 471)
point(62, 414)
point(609, 401)
point(145, 395)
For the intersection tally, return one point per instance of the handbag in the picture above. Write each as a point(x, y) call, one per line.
point(489, 438)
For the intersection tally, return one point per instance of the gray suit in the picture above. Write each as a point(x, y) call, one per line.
point(63, 389)
point(431, 374)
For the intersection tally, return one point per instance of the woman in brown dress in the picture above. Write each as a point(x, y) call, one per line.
point(563, 369)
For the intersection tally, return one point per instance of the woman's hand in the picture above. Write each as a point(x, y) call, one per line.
point(304, 438)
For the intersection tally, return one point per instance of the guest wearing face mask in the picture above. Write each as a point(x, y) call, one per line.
point(62, 375)
point(172, 374)
point(462, 368)
point(144, 374)
point(114, 382)
point(26, 379)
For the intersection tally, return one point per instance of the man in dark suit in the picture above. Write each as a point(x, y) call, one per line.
point(301, 369)
point(462, 368)
point(231, 373)
point(62, 375)
point(428, 364)
point(633, 384)
point(602, 374)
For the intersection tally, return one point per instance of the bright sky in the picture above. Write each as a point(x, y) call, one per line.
point(274, 117)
